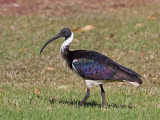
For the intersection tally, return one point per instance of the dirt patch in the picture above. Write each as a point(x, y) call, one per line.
point(18, 7)
point(65, 7)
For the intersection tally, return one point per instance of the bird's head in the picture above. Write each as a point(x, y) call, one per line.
point(66, 32)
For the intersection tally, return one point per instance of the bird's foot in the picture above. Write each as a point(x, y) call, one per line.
point(80, 104)
point(104, 105)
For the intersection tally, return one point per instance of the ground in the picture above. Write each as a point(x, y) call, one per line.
point(34, 86)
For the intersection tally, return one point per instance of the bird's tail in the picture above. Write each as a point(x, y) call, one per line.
point(135, 81)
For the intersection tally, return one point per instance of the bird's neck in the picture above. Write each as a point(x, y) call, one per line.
point(65, 46)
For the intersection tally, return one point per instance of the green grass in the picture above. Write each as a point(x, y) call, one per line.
point(23, 69)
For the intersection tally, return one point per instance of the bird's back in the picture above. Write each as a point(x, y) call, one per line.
point(96, 66)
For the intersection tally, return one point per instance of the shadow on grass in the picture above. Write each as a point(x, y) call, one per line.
point(76, 102)
point(89, 104)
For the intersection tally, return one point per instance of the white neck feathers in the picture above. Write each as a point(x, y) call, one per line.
point(67, 42)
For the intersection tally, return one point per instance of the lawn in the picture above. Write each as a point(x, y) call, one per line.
point(128, 35)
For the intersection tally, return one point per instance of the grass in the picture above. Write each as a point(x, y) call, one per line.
point(23, 69)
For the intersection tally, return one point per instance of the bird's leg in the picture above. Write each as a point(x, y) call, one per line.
point(103, 96)
point(86, 97)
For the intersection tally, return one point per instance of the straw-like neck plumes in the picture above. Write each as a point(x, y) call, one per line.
point(65, 46)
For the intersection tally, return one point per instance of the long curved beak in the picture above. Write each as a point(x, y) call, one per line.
point(52, 39)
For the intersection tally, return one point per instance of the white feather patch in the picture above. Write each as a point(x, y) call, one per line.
point(73, 65)
point(89, 83)
point(134, 83)
point(67, 42)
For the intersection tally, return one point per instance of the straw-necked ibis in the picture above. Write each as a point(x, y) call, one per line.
point(95, 68)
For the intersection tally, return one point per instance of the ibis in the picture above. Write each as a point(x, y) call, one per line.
point(94, 67)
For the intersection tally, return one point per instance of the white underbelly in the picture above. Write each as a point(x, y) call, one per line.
point(89, 83)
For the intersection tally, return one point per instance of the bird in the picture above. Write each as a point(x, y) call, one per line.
point(94, 67)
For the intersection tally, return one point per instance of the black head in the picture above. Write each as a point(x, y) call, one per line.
point(63, 33)
point(66, 33)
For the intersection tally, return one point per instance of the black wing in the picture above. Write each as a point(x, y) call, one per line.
point(90, 69)
point(95, 66)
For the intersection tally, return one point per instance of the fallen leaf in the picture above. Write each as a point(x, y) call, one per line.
point(139, 25)
point(22, 49)
point(49, 68)
point(76, 30)
point(37, 91)
point(151, 17)
point(87, 28)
